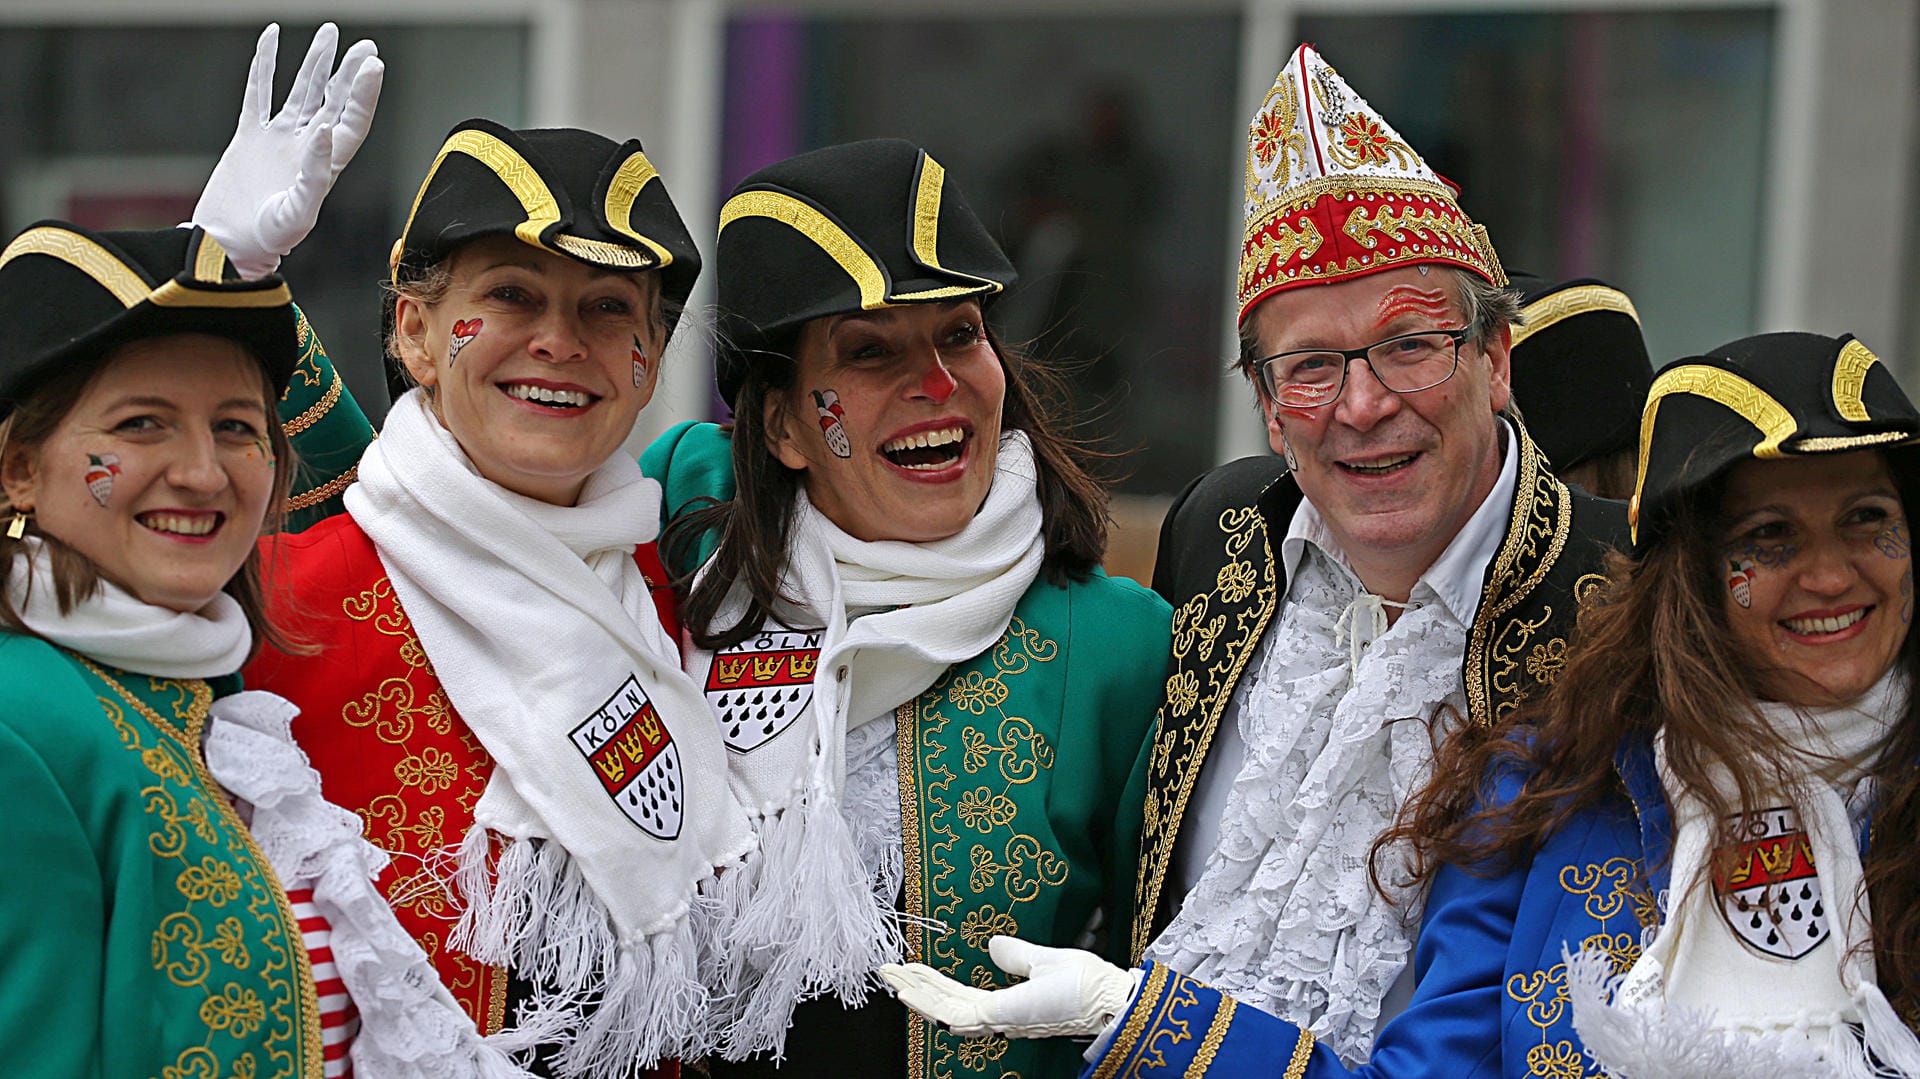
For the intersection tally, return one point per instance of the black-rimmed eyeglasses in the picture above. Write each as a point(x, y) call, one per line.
point(1404, 363)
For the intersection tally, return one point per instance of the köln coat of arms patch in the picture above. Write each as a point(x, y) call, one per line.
point(758, 687)
point(1768, 891)
point(635, 760)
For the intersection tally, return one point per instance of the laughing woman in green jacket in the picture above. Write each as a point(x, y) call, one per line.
point(935, 703)
point(183, 902)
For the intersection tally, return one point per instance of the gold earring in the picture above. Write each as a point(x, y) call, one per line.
point(18, 526)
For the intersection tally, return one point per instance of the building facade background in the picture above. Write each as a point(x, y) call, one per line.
point(1734, 166)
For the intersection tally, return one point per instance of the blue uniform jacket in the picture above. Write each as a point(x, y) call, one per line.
point(1491, 996)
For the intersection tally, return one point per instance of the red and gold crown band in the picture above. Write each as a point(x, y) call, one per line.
point(1334, 192)
point(1337, 235)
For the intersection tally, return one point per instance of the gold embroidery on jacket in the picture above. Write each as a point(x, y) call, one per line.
point(1207, 661)
point(1501, 649)
point(1609, 890)
point(411, 821)
point(1145, 1006)
point(229, 888)
point(947, 797)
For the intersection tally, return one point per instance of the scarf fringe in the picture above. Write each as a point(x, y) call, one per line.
point(1654, 1040)
point(615, 1007)
point(1893, 1047)
point(811, 924)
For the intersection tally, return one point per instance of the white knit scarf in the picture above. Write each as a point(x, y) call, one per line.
point(119, 629)
point(410, 1026)
point(1798, 996)
point(609, 780)
point(890, 617)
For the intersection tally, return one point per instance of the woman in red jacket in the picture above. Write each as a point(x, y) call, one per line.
point(494, 674)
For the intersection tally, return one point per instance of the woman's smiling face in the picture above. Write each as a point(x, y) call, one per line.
point(161, 472)
point(536, 363)
point(894, 416)
point(1819, 573)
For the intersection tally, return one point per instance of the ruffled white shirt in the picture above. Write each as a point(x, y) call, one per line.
point(1289, 826)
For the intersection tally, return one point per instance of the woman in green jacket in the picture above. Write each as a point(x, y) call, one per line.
point(185, 902)
point(936, 705)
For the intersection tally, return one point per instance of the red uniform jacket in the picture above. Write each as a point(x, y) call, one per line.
point(377, 725)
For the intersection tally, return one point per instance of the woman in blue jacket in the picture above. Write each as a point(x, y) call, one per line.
point(1733, 733)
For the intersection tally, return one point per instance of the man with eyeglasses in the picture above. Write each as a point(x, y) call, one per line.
point(1406, 565)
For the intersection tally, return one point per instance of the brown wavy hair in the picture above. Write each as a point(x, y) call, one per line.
point(1652, 650)
point(75, 576)
point(755, 528)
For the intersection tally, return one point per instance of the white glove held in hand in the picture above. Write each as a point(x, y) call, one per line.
point(1067, 993)
point(265, 193)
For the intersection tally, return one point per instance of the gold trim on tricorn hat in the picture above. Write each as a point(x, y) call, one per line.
point(854, 227)
point(1767, 397)
point(69, 295)
point(563, 190)
point(1333, 192)
point(1580, 369)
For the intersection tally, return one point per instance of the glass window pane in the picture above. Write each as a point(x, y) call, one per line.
point(118, 127)
point(1630, 146)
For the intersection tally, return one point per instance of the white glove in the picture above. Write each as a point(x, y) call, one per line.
point(1067, 993)
point(265, 193)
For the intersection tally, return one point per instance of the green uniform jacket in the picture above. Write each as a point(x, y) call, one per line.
point(144, 936)
point(328, 432)
point(1022, 772)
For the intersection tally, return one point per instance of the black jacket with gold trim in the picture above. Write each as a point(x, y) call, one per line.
point(1219, 567)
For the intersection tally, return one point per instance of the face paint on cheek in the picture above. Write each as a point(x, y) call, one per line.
point(827, 404)
point(1893, 540)
point(1740, 580)
point(639, 363)
point(464, 331)
point(262, 450)
point(1295, 399)
point(101, 469)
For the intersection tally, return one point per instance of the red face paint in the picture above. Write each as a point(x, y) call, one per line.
point(1295, 400)
point(938, 383)
point(464, 331)
point(1407, 300)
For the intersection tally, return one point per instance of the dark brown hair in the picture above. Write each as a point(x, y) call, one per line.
point(755, 528)
point(1605, 475)
point(1653, 650)
point(75, 577)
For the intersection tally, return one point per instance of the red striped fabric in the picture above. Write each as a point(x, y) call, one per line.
point(339, 1019)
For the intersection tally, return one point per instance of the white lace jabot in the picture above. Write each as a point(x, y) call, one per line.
point(1283, 915)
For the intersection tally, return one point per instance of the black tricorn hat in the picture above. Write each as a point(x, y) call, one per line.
point(563, 190)
point(854, 227)
point(1580, 367)
point(1768, 397)
point(68, 295)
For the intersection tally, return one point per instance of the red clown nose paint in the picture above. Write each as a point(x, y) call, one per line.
point(938, 383)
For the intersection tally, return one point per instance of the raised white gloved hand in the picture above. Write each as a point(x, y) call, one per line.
point(1067, 993)
point(265, 193)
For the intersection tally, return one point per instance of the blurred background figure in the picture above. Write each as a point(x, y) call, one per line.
point(1081, 202)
